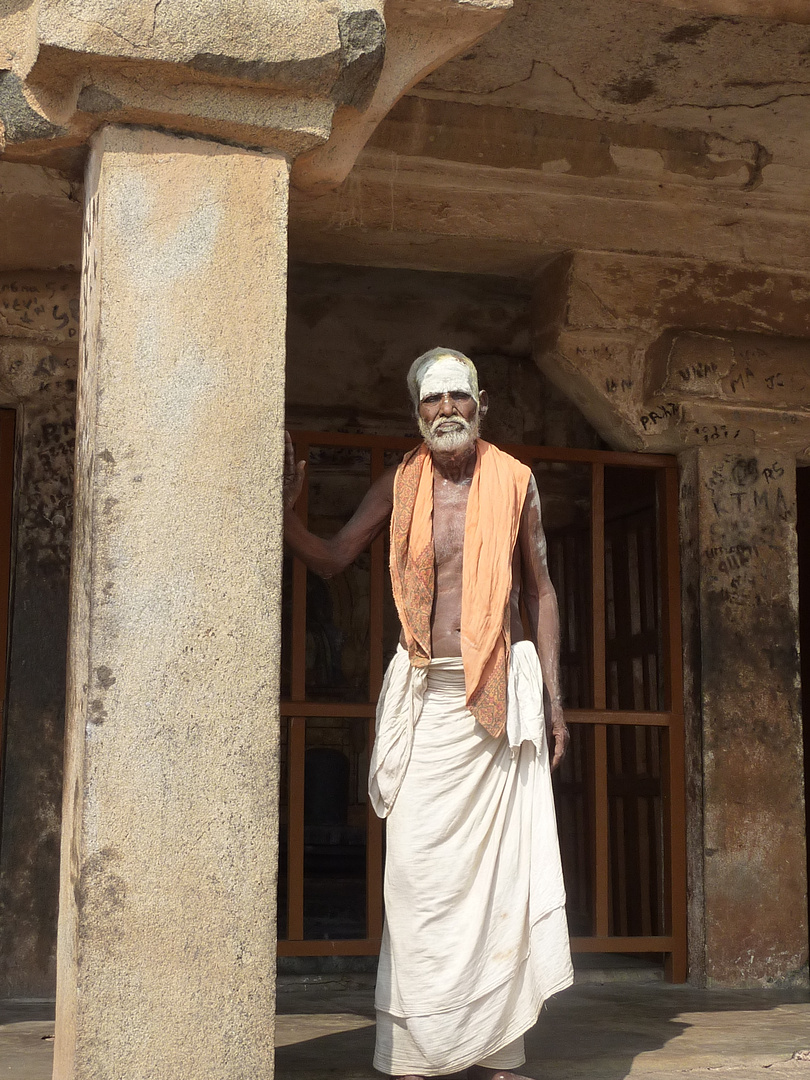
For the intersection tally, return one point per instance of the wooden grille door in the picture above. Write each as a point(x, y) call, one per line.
point(611, 524)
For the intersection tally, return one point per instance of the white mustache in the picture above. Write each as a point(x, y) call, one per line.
point(454, 421)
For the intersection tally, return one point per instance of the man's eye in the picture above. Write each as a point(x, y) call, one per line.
point(431, 399)
point(460, 395)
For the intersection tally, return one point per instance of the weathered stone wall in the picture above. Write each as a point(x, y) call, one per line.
point(39, 324)
point(744, 739)
point(353, 332)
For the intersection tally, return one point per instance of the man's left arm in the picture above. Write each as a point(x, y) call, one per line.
point(540, 601)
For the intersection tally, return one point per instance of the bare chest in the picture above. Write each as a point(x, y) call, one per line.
point(449, 517)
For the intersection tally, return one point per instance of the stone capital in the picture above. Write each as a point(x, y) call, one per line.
point(286, 75)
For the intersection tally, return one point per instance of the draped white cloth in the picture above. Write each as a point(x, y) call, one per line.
point(475, 937)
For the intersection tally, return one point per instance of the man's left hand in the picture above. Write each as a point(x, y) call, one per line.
point(558, 736)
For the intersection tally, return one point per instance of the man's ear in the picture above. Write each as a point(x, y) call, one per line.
point(483, 403)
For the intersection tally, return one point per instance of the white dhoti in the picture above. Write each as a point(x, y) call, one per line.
point(475, 936)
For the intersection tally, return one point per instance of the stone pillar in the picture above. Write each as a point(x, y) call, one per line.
point(167, 905)
point(748, 878)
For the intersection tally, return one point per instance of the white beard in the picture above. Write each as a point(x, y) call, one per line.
point(459, 434)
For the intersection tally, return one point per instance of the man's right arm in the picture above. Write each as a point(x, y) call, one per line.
point(328, 557)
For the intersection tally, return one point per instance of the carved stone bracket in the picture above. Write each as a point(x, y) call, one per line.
point(421, 35)
point(290, 75)
point(664, 354)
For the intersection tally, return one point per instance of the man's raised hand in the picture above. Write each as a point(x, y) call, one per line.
point(293, 474)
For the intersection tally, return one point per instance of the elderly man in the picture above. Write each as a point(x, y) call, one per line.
point(475, 936)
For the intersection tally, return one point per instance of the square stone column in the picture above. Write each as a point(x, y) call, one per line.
point(748, 905)
point(166, 960)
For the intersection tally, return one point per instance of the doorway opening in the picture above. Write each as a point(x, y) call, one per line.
point(613, 553)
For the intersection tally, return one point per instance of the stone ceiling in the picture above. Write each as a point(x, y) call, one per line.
point(743, 79)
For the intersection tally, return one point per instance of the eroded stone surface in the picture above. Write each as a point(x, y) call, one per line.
point(420, 35)
point(784, 10)
point(741, 615)
point(715, 74)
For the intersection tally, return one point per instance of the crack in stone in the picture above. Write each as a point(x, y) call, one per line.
point(570, 82)
point(517, 82)
point(601, 113)
point(115, 33)
point(739, 104)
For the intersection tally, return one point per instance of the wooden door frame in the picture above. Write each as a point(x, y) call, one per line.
point(673, 943)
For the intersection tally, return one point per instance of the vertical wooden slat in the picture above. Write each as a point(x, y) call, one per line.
point(598, 585)
point(601, 875)
point(377, 593)
point(296, 743)
point(601, 833)
point(296, 748)
point(374, 827)
point(7, 425)
point(674, 764)
point(298, 690)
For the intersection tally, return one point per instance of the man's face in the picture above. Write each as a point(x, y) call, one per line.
point(448, 413)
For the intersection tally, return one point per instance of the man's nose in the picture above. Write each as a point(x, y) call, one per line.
point(448, 406)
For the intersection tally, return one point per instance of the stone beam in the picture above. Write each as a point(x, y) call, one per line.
point(168, 868)
point(414, 208)
point(440, 178)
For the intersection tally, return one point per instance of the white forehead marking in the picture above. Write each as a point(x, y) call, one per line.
point(446, 375)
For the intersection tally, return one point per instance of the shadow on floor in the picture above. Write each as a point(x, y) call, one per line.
point(593, 1032)
point(590, 1032)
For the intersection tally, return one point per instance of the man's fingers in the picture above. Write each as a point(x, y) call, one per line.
point(560, 746)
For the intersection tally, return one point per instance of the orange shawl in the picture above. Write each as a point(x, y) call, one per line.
point(494, 506)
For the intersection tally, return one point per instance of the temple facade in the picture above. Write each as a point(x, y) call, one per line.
point(221, 219)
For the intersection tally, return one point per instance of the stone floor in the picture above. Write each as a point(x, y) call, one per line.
point(325, 1031)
